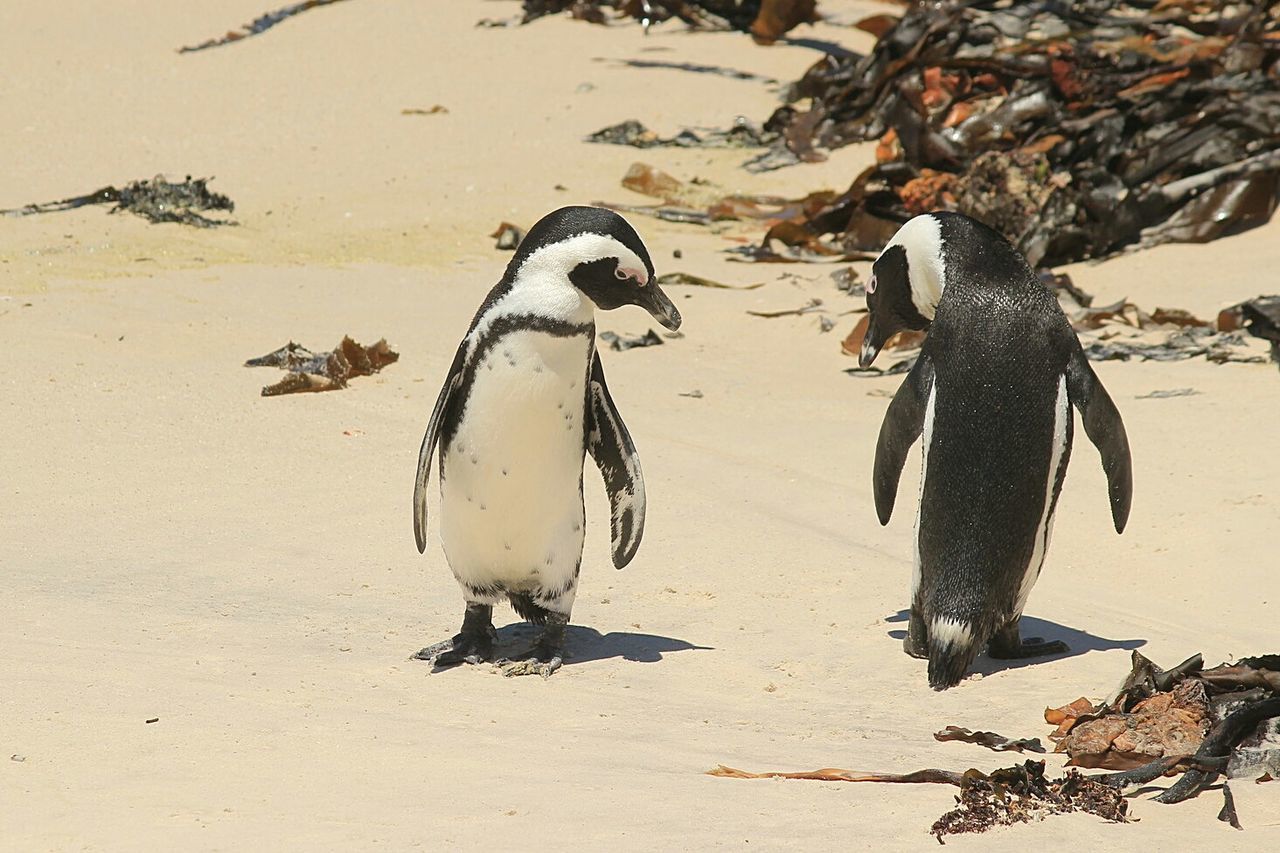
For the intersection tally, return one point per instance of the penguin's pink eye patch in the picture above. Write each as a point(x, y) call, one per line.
point(871, 284)
point(640, 276)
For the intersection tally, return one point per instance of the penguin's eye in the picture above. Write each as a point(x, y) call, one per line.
point(871, 284)
point(620, 274)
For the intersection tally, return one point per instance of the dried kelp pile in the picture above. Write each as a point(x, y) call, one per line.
point(156, 200)
point(325, 371)
point(1018, 794)
point(1076, 129)
point(1021, 794)
point(766, 20)
point(258, 25)
point(1200, 722)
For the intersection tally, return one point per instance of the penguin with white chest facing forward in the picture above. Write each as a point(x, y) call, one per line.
point(524, 401)
point(992, 393)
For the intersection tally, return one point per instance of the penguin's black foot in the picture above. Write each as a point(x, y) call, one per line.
point(916, 643)
point(536, 661)
point(473, 645)
point(1008, 644)
point(546, 656)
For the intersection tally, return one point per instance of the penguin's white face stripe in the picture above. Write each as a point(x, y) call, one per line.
point(559, 259)
point(926, 440)
point(921, 237)
point(1061, 411)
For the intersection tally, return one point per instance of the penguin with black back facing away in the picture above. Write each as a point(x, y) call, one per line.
point(524, 401)
point(992, 393)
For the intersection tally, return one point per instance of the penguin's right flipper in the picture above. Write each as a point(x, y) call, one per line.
point(610, 445)
point(902, 424)
point(429, 445)
point(1105, 429)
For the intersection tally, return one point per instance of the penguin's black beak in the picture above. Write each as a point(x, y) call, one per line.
point(657, 303)
point(872, 341)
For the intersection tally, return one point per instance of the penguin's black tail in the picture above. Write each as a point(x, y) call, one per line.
point(953, 645)
point(528, 609)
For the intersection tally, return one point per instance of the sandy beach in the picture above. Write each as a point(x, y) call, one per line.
point(242, 570)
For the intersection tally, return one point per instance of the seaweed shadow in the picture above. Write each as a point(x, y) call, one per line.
point(583, 644)
point(1078, 643)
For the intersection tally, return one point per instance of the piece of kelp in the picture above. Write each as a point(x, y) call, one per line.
point(766, 20)
point(156, 200)
point(508, 236)
point(743, 133)
point(684, 278)
point(258, 25)
point(625, 342)
point(325, 371)
point(990, 740)
point(1076, 129)
point(1010, 795)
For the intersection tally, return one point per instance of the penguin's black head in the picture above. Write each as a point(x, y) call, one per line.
point(905, 285)
point(602, 256)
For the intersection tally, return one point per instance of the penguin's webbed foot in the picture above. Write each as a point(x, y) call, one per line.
point(473, 645)
point(1008, 644)
point(546, 656)
point(535, 662)
point(916, 643)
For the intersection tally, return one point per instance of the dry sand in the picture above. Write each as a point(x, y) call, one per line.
point(174, 546)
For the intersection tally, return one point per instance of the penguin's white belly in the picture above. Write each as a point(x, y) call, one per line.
point(511, 492)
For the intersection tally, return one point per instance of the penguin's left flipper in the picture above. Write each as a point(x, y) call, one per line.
point(1105, 429)
point(903, 421)
point(615, 455)
point(429, 445)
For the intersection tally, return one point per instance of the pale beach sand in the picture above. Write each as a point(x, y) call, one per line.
point(174, 546)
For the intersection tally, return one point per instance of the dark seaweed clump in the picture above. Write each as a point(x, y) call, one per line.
point(1076, 129)
point(1021, 794)
point(156, 200)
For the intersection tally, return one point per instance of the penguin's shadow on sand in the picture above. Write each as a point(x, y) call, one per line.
point(583, 644)
point(1078, 643)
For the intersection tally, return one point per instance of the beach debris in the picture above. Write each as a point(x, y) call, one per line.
point(1076, 129)
point(259, 25)
point(325, 371)
point(508, 236)
point(695, 68)
point(766, 20)
point(810, 307)
point(436, 109)
point(647, 180)
point(1260, 317)
point(743, 133)
point(157, 200)
point(1163, 394)
point(684, 278)
point(991, 740)
point(1190, 720)
point(150, 720)
point(697, 395)
point(846, 281)
point(1017, 794)
point(625, 342)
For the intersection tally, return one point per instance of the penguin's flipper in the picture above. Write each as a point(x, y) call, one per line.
point(429, 445)
point(615, 455)
point(1105, 429)
point(903, 421)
